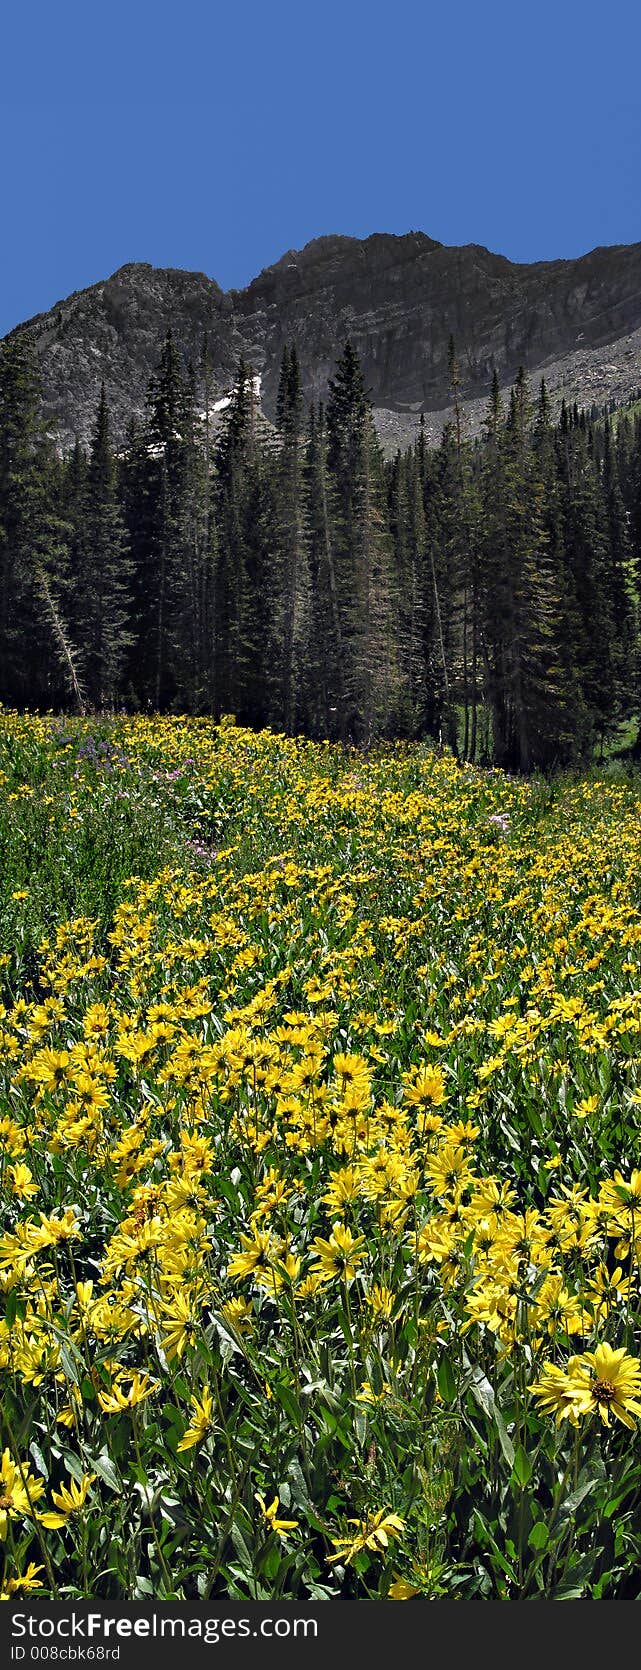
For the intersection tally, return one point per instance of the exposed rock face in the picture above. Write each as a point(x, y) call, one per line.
point(398, 298)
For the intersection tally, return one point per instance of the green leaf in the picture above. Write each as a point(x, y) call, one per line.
point(104, 1467)
point(72, 1364)
point(288, 1401)
point(11, 1309)
point(575, 1584)
point(143, 1587)
point(539, 1536)
point(36, 1452)
point(271, 1562)
point(574, 1501)
point(73, 1465)
point(504, 1438)
point(481, 1390)
point(522, 1466)
point(446, 1380)
point(241, 1548)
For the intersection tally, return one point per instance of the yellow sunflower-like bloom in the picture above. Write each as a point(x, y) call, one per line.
point(21, 1182)
point(400, 1589)
point(67, 1502)
point(282, 1527)
point(27, 1582)
point(201, 1422)
point(181, 1325)
point(258, 1253)
point(556, 1393)
point(340, 1255)
point(373, 1533)
point(609, 1382)
point(18, 1492)
point(602, 1382)
point(141, 1387)
point(381, 1300)
point(427, 1089)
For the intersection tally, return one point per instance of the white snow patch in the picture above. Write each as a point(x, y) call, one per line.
point(226, 398)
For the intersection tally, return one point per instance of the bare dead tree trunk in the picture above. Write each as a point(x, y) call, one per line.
point(66, 652)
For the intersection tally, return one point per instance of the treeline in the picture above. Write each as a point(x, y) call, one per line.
point(482, 592)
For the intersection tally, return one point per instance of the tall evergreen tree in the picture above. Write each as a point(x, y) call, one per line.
point(102, 599)
point(246, 516)
point(326, 683)
point(587, 564)
point(291, 583)
point(620, 583)
point(363, 555)
point(37, 661)
point(166, 493)
point(522, 601)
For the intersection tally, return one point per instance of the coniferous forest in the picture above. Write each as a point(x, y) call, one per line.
point(483, 592)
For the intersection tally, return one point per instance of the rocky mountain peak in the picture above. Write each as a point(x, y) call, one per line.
point(399, 298)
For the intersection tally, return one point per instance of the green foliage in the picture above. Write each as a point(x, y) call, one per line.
point(76, 819)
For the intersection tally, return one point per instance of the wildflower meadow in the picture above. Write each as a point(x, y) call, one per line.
point(320, 1182)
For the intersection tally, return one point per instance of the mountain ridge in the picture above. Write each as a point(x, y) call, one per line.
point(398, 296)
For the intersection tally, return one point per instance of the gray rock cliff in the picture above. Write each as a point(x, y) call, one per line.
point(398, 298)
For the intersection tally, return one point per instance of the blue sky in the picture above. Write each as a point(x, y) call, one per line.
point(198, 136)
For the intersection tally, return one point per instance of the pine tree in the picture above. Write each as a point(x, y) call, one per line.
point(74, 508)
point(521, 600)
point(167, 498)
point(170, 403)
point(231, 457)
point(417, 628)
point(139, 494)
point(102, 600)
point(432, 589)
point(375, 671)
point(587, 562)
point(290, 571)
point(326, 681)
point(407, 531)
point(449, 592)
point(362, 551)
point(620, 584)
point(246, 522)
point(537, 689)
point(573, 738)
point(208, 563)
point(37, 661)
point(460, 541)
